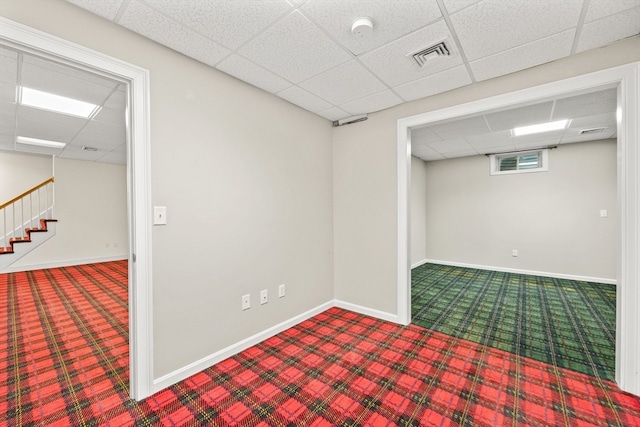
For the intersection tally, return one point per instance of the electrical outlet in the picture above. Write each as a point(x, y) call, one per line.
point(514, 252)
point(263, 297)
point(246, 302)
point(281, 291)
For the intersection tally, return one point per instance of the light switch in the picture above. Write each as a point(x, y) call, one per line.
point(603, 213)
point(159, 215)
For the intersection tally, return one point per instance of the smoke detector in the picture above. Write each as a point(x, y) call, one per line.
point(362, 27)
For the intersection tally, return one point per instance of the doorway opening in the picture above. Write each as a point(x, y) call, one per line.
point(625, 80)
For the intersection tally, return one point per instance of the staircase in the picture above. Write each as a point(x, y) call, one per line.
point(26, 222)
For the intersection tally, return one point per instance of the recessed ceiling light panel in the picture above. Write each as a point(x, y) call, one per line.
point(59, 104)
point(539, 128)
point(40, 142)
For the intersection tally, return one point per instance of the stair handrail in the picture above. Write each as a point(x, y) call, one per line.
point(26, 193)
point(19, 213)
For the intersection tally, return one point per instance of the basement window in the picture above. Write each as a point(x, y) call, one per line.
point(522, 162)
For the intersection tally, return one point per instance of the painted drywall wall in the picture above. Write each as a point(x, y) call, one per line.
point(20, 172)
point(247, 181)
point(418, 210)
point(551, 218)
point(91, 208)
point(365, 177)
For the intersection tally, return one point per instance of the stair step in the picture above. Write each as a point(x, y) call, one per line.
point(27, 238)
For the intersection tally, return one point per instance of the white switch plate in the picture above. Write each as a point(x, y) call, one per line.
point(246, 302)
point(159, 215)
point(263, 297)
point(281, 291)
point(514, 252)
point(603, 213)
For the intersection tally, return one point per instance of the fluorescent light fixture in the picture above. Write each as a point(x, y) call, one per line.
point(539, 128)
point(40, 142)
point(59, 104)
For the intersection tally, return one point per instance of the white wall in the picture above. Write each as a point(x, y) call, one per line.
point(247, 181)
point(91, 208)
point(552, 218)
point(419, 207)
point(365, 176)
point(20, 172)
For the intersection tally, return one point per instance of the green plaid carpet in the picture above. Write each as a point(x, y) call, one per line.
point(566, 323)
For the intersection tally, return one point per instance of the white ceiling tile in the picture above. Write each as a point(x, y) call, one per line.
point(7, 117)
point(457, 154)
point(75, 152)
point(50, 66)
point(251, 73)
point(76, 85)
point(8, 92)
point(607, 30)
point(333, 114)
point(456, 5)
point(116, 157)
point(491, 26)
point(425, 153)
point(228, 22)
point(589, 104)
point(295, 49)
point(601, 8)
point(105, 8)
point(524, 56)
point(304, 99)
point(437, 83)
point(589, 137)
point(344, 83)
point(156, 26)
point(505, 148)
point(101, 135)
point(521, 116)
point(376, 102)
point(391, 19)
point(42, 124)
point(394, 63)
point(8, 66)
point(450, 146)
point(114, 110)
point(597, 120)
point(460, 128)
point(488, 140)
point(424, 135)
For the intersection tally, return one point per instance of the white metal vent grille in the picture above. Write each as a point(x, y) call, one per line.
point(440, 49)
point(594, 130)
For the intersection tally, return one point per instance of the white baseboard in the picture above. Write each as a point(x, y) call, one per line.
point(529, 272)
point(419, 263)
point(67, 263)
point(367, 311)
point(208, 361)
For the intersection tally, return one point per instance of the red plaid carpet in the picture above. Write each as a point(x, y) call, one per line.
point(64, 361)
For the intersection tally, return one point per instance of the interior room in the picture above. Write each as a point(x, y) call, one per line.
point(260, 210)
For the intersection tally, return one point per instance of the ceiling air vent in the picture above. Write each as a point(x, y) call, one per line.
point(85, 148)
point(589, 131)
point(435, 51)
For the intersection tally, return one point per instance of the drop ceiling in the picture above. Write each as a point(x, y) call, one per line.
point(100, 137)
point(303, 50)
point(592, 116)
